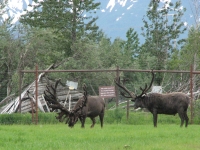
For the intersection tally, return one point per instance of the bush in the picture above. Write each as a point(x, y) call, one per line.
point(111, 117)
point(26, 118)
point(15, 118)
point(47, 118)
point(197, 111)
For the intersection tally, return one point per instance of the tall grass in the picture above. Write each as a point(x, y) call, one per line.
point(27, 118)
point(117, 116)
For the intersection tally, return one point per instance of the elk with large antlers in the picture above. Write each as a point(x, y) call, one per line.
point(157, 103)
point(87, 106)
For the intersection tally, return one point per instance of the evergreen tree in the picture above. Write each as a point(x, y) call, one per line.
point(131, 45)
point(162, 31)
point(3, 10)
point(8, 49)
point(190, 54)
point(71, 20)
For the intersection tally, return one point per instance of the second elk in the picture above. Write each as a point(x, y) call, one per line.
point(87, 106)
point(156, 103)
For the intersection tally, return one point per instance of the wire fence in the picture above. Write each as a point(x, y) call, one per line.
point(167, 80)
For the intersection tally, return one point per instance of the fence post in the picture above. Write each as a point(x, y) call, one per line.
point(20, 89)
point(116, 87)
point(191, 94)
point(36, 93)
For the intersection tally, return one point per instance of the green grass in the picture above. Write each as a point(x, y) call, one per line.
point(17, 132)
point(111, 137)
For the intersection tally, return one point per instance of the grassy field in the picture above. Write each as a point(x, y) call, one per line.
point(111, 137)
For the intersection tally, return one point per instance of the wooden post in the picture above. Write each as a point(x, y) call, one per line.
point(20, 90)
point(116, 88)
point(191, 94)
point(36, 94)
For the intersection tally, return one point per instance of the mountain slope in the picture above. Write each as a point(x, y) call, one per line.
point(115, 16)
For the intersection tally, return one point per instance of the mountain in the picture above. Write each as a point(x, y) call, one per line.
point(115, 16)
point(16, 7)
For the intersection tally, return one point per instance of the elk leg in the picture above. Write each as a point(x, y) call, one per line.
point(101, 119)
point(181, 115)
point(82, 122)
point(155, 117)
point(93, 122)
point(186, 119)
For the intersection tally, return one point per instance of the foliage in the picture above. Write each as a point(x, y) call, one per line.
point(3, 10)
point(130, 47)
point(27, 118)
point(116, 116)
point(187, 56)
point(161, 35)
point(190, 54)
point(59, 32)
point(9, 54)
point(197, 111)
point(66, 18)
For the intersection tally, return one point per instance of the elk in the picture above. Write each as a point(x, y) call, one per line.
point(87, 106)
point(156, 103)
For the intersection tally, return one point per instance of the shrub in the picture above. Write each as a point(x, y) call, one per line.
point(111, 117)
point(27, 118)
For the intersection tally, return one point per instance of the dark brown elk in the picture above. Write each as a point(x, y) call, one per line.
point(87, 106)
point(157, 103)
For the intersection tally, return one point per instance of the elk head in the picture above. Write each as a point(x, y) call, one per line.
point(76, 112)
point(128, 94)
point(50, 96)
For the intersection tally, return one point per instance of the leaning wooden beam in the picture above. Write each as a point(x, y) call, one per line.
point(6, 99)
point(16, 100)
point(34, 100)
point(11, 107)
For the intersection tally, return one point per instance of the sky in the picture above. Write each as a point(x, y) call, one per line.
point(18, 5)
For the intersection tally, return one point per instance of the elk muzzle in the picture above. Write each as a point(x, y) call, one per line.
point(72, 120)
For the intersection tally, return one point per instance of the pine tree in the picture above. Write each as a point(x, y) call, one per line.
point(71, 20)
point(161, 30)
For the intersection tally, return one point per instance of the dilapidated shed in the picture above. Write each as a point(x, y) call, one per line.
point(11, 104)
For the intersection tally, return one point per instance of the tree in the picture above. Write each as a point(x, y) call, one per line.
point(195, 7)
point(8, 51)
point(87, 57)
point(162, 33)
point(131, 45)
point(70, 20)
point(3, 9)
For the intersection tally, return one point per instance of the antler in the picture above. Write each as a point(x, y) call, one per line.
point(144, 91)
point(84, 102)
point(130, 94)
point(52, 100)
